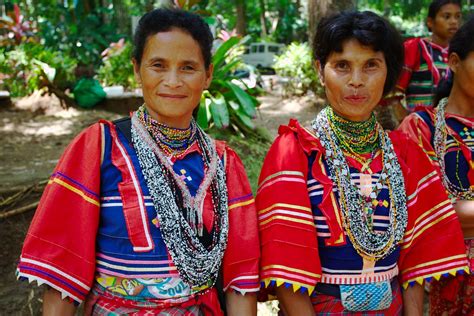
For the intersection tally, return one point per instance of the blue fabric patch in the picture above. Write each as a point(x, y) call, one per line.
point(366, 297)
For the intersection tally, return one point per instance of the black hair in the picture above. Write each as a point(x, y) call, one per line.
point(436, 5)
point(462, 44)
point(370, 30)
point(162, 20)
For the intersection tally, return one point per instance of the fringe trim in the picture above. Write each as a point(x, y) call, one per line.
point(242, 291)
point(428, 278)
point(40, 281)
point(296, 286)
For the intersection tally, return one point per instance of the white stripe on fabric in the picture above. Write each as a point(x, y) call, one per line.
point(56, 270)
point(140, 200)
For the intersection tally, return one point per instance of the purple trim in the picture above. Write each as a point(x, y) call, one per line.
point(247, 283)
point(22, 267)
point(240, 198)
point(75, 182)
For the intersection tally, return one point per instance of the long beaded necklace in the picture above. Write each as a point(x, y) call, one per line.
point(197, 265)
point(173, 141)
point(368, 243)
point(439, 141)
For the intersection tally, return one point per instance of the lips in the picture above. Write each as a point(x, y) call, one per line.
point(355, 98)
point(172, 96)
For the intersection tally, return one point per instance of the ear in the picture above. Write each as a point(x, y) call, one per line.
point(429, 23)
point(454, 62)
point(209, 73)
point(319, 69)
point(136, 71)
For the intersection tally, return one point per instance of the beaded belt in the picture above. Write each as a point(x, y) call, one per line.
point(334, 290)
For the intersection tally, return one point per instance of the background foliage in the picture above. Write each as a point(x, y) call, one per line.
point(296, 64)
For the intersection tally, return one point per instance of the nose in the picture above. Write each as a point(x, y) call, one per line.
point(357, 79)
point(454, 20)
point(172, 79)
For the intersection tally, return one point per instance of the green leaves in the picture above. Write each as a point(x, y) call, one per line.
point(225, 104)
point(219, 111)
point(245, 100)
point(224, 49)
point(296, 65)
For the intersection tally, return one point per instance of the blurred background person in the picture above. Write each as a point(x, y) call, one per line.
point(426, 59)
point(446, 134)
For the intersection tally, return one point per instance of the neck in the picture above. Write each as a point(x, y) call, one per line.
point(439, 41)
point(180, 122)
point(459, 103)
point(359, 137)
point(172, 140)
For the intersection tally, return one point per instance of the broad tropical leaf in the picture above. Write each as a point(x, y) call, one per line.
point(219, 111)
point(247, 103)
point(219, 56)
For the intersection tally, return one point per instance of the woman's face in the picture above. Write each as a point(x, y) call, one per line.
point(354, 80)
point(446, 22)
point(173, 76)
point(464, 73)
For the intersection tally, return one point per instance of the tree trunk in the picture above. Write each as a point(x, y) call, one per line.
point(241, 24)
point(122, 17)
point(318, 9)
point(263, 20)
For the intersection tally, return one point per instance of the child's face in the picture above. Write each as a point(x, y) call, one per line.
point(446, 22)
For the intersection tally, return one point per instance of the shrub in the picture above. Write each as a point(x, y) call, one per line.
point(31, 66)
point(296, 64)
point(117, 67)
point(225, 104)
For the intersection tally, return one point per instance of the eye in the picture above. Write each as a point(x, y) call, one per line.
point(158, 65)
point(372, 64)
point(341, 65)
point(188, 68)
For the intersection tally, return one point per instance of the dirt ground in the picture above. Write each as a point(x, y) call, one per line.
point(33, 135)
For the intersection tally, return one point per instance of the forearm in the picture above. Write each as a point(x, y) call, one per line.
point(294, 304)
point(465, 212)
point(413, 300)
point(238, 304)
point(54, 305)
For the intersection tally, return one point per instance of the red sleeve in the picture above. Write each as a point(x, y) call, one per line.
point(417, 130)
point(241, 258)
point(287, 231)
point(433, 243)
point(411, 62)
point(59, 249)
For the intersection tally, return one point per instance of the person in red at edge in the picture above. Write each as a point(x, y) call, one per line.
point(349, 214)
point(446, 134)
point(426, 59)
point(148, 214)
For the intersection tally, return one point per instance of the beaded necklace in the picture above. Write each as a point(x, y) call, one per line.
point(368, 243)
point(173, 141)
point(440, 137)
point(180, 214)
point(355, 137)
point(365, 163)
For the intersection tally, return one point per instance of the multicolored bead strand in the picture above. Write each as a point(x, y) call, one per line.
point(173, 141)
